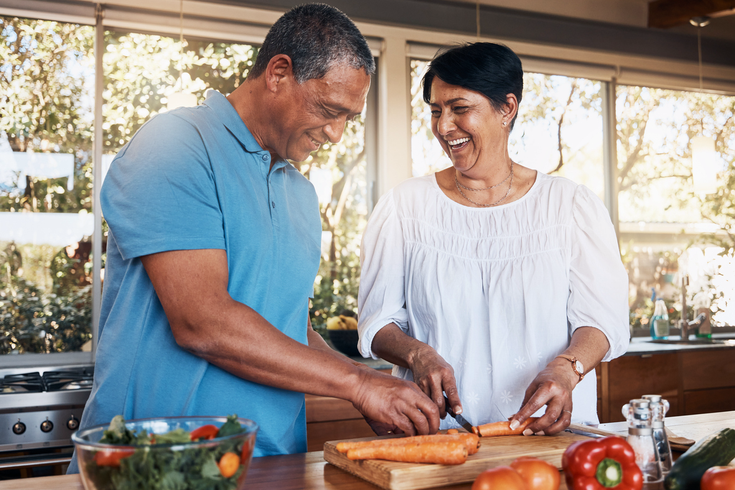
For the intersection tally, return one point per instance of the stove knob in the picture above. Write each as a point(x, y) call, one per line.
point(47, 426)
point(19, 427)
point(72, 423)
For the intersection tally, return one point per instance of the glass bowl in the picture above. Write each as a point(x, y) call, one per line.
point(180, 465)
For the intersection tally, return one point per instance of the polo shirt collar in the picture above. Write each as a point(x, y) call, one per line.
point(232, 120)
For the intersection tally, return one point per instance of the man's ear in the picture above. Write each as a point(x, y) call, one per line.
point(279, 68)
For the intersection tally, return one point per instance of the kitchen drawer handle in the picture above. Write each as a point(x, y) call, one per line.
point(30, 461)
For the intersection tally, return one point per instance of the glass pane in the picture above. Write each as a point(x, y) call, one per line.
point(142, 71)
point(339, 174)
point(662, 215)
point(46, 223)
point(558, 129)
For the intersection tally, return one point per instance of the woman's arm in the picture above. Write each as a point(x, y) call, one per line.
point(553, 386)
point(430, 371)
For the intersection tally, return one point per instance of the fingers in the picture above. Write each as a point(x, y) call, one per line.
point(561, 423)
point(450, 388)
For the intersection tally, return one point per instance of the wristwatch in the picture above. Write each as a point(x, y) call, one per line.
point(577, 366)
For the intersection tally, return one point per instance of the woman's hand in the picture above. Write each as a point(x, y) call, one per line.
point(552, 387)
point(430, 371)
point(435, 377)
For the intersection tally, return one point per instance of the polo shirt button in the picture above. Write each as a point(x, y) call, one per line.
point(265, 158)
point(273, 203)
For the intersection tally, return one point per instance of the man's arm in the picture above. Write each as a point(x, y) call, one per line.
point(206, 321)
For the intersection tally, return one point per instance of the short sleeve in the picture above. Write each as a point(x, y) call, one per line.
point(381, 299)
point(160, 193)
point(598, 295)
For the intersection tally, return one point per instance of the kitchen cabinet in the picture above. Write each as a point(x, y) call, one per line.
point(692, 380)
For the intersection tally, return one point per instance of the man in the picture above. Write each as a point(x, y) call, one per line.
point(214, 246)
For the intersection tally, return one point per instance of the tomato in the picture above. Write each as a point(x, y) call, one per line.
point(208, 431)
point(718, 478)
point(112, 457)
point(537, 473)
point(500, 478)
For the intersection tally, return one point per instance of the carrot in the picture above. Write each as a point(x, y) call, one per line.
point(228, 464)
point(502, 428)
point(471, 441)
point(452, 452)
point(452, 431)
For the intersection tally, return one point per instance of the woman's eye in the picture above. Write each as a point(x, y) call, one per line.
point(460, 109)
point(436, 113)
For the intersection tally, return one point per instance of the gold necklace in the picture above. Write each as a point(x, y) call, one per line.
point(460, 186)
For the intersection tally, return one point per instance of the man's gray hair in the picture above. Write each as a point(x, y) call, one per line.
point(316, 37)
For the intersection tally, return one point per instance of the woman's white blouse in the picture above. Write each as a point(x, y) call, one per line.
point(497, 291)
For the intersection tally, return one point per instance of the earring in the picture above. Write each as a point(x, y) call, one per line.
point(504, 123)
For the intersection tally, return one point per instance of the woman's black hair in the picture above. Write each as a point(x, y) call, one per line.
point(493, 70)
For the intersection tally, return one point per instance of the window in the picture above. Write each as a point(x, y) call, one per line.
point(666, 228)
point(46, 225)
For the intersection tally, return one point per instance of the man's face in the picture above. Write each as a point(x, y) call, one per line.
point(316, 111)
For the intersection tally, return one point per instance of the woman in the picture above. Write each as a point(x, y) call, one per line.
point(478, 279)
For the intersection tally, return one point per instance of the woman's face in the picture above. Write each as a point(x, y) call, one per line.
point(468, 127)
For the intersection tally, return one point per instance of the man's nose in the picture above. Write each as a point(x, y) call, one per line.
point(335, 129)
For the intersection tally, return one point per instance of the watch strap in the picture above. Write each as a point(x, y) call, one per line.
point(573, 360)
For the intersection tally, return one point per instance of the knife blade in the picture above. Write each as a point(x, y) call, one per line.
point(460, 420)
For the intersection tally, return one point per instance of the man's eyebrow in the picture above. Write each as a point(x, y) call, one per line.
point(450, 101)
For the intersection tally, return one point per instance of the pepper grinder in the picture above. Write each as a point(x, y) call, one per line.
point(640, 438)
point(659, 407)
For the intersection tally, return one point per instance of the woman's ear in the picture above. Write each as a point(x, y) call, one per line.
point(511, 108)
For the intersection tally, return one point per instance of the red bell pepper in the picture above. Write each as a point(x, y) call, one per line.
point(603, 463)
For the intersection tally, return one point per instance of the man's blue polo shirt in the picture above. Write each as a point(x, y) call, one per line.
point(196, 178)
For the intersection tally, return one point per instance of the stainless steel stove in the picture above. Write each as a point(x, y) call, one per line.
point(40, 410)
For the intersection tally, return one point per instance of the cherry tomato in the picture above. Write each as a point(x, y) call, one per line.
point(112, 458)
point(500, 478)
point(208, 431)
point(537, 473)
point(718, 478)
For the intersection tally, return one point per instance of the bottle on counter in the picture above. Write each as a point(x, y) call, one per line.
point(640, 437)
point(660, 325)
point(659, 407)
point(702, 304)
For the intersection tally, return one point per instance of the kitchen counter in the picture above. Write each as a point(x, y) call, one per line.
point(643, 345)
point(310, 471)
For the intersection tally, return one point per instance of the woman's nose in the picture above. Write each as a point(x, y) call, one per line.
point(445, 124)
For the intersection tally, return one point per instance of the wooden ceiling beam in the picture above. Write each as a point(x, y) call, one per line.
point(670, 13)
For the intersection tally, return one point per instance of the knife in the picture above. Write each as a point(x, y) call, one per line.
point(460, 420)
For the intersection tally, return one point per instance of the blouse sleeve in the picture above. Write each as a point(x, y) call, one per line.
point(381, 298)
point(598, 295)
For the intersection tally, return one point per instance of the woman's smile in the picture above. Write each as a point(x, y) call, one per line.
point(458, 144)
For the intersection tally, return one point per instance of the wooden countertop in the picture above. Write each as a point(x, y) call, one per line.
point(310, 471)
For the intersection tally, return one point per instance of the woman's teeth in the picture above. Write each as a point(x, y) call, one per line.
point(458, 143)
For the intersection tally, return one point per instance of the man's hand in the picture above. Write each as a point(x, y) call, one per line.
point(396, 405)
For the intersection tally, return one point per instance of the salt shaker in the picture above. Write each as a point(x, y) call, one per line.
point(659, 407)
point(640, 438)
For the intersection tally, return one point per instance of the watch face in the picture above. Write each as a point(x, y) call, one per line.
point(578, 366)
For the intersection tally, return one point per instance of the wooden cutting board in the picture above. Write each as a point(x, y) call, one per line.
point(494, 451)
